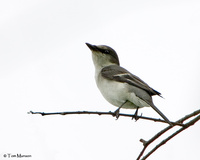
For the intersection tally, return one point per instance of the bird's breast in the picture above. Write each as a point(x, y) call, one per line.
point(114, 92)
point(117, 93)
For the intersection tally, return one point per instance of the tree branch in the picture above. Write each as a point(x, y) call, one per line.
point(185, 126)
point(104, 113)
point(179, 122)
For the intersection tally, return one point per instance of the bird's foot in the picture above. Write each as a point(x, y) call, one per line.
point(135, 116)
point(116, 113)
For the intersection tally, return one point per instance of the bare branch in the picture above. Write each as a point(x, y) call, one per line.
point(189, 124)
point(185, 126)
point(179, 122)
point(103, 113)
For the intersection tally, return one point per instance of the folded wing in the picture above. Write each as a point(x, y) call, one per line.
point(117, 73)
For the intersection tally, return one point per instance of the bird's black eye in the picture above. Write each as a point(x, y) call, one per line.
point(106, 51)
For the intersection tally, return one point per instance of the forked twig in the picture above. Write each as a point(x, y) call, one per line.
point(195, 114)
point(185, 126)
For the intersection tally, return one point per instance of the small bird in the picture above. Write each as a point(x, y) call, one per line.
point(118, 86)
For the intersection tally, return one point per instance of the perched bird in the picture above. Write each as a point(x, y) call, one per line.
point(118, 86)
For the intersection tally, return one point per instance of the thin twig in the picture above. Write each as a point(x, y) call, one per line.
point(189, 124)
point(147, 143)
point(103, 113)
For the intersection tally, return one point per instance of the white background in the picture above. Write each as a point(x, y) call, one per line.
point(46, 66)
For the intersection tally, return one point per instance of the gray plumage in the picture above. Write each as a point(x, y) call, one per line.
point(118, 86)
point(117, 73)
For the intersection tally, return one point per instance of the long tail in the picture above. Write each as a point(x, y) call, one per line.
point(161, 114)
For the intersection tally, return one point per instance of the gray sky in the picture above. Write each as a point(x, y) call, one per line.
point(46, 66)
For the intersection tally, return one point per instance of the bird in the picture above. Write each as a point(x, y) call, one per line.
point(118, 86)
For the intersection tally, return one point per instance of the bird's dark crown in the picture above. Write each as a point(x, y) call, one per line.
point(105, 50)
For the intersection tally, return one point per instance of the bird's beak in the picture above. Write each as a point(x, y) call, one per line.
point(91, 47)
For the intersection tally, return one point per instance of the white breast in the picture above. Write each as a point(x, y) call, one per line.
point(117, 93)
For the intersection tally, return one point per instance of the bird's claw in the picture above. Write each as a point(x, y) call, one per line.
point(116, 113)
point(135, 116)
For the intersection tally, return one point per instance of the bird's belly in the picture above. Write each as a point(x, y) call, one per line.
point(113, 92)
point(117, 93)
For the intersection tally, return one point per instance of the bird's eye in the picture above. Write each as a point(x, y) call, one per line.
point(106, 51)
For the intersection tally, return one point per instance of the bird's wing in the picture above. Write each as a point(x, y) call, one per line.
point(117, 73)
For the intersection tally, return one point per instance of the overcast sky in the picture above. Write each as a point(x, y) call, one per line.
point(46, 66)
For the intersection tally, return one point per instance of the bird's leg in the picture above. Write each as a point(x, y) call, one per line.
point(116, 113)
point(136, 114)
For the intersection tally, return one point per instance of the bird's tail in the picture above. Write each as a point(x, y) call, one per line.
point(161, 114)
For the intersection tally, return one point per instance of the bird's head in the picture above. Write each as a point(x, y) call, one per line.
point(103, 55)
